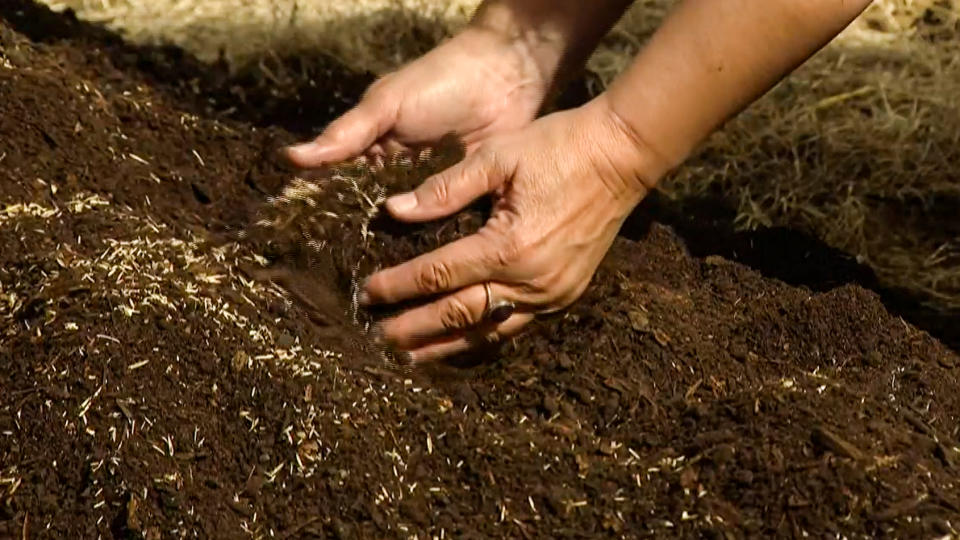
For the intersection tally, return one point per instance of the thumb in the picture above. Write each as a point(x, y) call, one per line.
point(347, 137)
point(449, 191)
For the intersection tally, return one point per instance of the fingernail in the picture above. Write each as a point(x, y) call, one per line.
point(402, 203)
point(376, 334)
point(298, 149)
point(363, 297)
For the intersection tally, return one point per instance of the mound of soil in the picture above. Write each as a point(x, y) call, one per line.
point(151, 388)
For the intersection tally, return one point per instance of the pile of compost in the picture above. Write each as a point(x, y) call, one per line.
point(166, 373)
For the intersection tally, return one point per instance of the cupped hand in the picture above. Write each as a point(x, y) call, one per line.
point(475, 85)
point(562, 187)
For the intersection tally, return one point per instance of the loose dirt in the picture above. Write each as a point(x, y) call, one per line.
point(159, 378)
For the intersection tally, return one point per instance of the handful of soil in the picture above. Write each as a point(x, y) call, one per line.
point(327, 230)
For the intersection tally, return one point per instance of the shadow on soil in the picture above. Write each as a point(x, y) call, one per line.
point(707, 227)
point(293, 92)
point(298, 94)
point(290, 94)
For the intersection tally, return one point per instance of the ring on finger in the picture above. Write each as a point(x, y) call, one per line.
point(497, 310)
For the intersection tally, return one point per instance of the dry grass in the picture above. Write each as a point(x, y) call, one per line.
point(147, 274)
point(860, 146)
point(373, 35)
point(868, 161)
point(378, 35)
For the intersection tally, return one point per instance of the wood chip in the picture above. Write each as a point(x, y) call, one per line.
point(832, 442)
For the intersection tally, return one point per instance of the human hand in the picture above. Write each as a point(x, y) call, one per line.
point(562, 188)
point(475, 85)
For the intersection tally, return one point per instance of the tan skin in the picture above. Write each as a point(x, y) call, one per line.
point(491, 78)
point(563, 183)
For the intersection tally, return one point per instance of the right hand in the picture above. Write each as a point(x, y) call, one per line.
point(475, 85)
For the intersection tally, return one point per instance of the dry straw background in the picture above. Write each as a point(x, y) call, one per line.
point(861, 146)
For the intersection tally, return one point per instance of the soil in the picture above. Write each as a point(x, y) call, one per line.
point(154, 385)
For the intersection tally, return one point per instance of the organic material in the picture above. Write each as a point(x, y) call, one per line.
point(170, 367)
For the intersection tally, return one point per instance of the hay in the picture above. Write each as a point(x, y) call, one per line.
point(379, 35)
point(859, 147)
point(371, 35)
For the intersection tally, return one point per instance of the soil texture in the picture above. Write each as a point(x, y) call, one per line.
point(160, 379)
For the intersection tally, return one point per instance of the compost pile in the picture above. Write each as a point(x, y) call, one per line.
point(153, 384)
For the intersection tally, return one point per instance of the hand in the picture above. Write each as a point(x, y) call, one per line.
point(476, 85)
point(562, 188)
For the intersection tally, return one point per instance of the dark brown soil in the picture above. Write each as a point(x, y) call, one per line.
point(150, 389)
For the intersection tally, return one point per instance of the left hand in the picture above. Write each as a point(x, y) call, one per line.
point(562, 188)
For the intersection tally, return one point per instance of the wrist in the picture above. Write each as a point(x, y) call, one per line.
point(636, 165)
point(558, 35)
point(538, 47)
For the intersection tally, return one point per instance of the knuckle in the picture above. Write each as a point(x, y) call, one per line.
point(440, 189)
point(486, 155)
point(433, 277)
point(378, 86)
point(510, 252)
point(568, 295)
point(455, 315)
point(572, 296)
point(494, 163)
point(555, 290)
point(543, 286)
point(337, 132)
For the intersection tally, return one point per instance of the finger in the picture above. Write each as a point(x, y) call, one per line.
point(392, 147)
point(460, 344)
point(374, 152)
point(448, 192)
point(384, 150)
point(453, 266)
point(347, 137)
point(451, 314)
